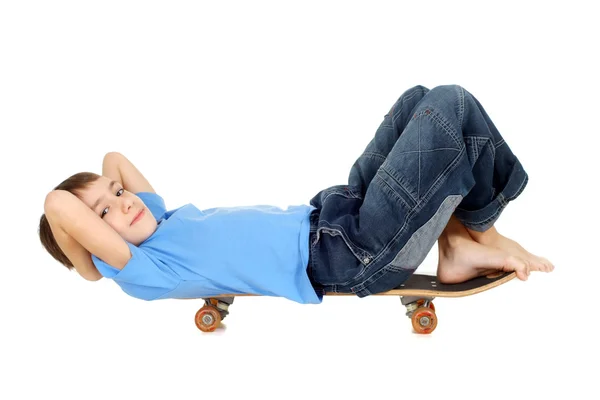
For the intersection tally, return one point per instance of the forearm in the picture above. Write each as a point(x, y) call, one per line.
point(87, 228)
point(118, 167)
point(75, 252)
point(110, 167)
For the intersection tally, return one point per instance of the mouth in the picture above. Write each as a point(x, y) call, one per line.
point(138, 216)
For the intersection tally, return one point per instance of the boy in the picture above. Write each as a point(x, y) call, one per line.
point(436, 170)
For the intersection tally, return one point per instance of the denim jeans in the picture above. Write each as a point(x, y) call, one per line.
point(436, 153)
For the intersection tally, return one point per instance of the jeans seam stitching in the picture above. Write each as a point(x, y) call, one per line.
point(368, 154)
point(419, 147)
point(381, 275)
point(395, 115)
point(442, 124)
point(379, 178)
point(461, 99)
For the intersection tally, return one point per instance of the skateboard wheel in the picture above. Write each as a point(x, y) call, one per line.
point(208, 319)
point(424, 320)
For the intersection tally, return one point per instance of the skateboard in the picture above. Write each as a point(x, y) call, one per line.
point(416, 294)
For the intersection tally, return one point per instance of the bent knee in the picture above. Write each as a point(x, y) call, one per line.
point(448, 89)
point(418, 91)
point(447, 97)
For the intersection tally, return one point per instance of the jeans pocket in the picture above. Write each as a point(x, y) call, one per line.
point(336, 260)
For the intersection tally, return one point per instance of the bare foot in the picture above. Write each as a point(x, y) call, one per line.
point(492, 238)
point(461, 259)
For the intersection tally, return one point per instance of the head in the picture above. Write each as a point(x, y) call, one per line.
point(107, 199)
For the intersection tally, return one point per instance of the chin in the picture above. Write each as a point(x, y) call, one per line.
point(138, 240)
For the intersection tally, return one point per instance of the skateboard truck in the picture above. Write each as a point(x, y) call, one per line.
point(213, 312)
point(421, 311)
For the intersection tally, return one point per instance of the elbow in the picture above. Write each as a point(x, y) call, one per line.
point(91, 276)
point(56, 202)
point(111, 155)
point(52, 201)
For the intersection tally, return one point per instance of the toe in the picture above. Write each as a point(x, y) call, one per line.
point(549, 265)
point(520, 266)
point(543, 265)
point(527, 269)
point(522, 275)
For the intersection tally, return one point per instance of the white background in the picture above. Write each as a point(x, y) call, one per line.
point(242, 103)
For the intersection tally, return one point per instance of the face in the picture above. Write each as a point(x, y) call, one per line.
point(120, 209)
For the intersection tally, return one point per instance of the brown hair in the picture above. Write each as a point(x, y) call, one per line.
point(74, 184)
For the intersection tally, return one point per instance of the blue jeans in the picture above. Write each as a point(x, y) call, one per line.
point(435, 154)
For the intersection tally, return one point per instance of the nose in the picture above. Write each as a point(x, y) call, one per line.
point(126, 204)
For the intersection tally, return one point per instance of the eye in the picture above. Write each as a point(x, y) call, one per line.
point(103, 212)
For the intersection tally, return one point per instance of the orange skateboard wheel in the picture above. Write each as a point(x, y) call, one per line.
point(424, 320)
point(208, 319)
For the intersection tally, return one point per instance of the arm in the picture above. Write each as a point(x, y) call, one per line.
point(77, 254)
point(71, 220)
point(116, 166)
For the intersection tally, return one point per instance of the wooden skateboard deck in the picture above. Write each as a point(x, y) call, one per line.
point(416, 294)
point(428, 285)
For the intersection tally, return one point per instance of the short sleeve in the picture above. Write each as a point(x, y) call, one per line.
point(154, 202)
point(143, 277)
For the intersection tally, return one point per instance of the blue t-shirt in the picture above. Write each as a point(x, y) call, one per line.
point(260, 250)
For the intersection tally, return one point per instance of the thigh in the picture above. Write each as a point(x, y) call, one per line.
point(386, 136)
point(366, 226)
point(418, 165)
